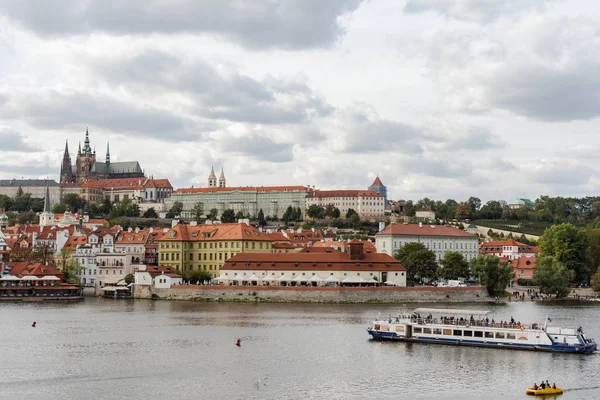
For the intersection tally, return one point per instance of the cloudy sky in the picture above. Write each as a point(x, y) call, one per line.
point(440, 98)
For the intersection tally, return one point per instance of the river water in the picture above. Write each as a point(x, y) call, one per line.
point(138, 349)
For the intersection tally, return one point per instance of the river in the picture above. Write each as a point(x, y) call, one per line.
point(142, 349)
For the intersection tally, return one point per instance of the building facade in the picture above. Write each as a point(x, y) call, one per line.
point(426, 214)
point(35, 187)
point(436, 238)
point(207, 247)
point(509, 249)
point(366, 203)
point(87, 168)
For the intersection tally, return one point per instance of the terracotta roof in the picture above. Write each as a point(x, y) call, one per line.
point(523, 263)
point(74, 241)
point(26, 269)
point(377, 182)
point(242, 189)
point(182, 232)
point(97, 221)
point(344, 193)
point(134, 183)
point(496, 246)
point(424, 230)
point(92, 184)
point(132, 238)
point(333, 261)
point(155, 270)
point(367, 245)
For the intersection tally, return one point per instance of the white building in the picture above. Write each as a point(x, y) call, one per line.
point(436, 238)
point(367, 203)
point(159, 276)
point(86, 257)
point(426, 214)
point(509, 248)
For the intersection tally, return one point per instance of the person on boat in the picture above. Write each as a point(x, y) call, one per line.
point(543, 385)
point(535, 386)
point(547, 383)
point(554, 386)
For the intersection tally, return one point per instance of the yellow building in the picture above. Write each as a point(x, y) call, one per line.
point(206, 247)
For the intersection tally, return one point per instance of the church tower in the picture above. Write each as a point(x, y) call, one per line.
point(86, 158)
point(66, 169)
point(222, 179)
point(212, 178)
point(107, 153)
point(46, 217)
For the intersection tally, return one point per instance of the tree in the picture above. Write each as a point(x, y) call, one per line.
point(59, 208)
point(212, 214)
point(493, 274)
point(6, 202)
point(287, 214)
point(596, 281)
point(198, 211)
point(593, 251)
point(354, 220)
point(73, 202)
point(463, 211)
point(419, 261)
point(329, 210)
point(297, 214)
point(454, 266)
point(315, 211)
point(129, 278)
point(197, 276)
point(36, 204)
point(569, 246)
point(239, 215)
point(552, 276)
point(150, 213)
point(70, 268)
point(228, 216)
point(350, 212)
point(336, 213)
point(126, 208)
point(261, 218)
point(474, 204)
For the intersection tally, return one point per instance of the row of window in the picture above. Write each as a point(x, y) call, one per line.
point(466, 333)
point(201, 256)
point(209, 245)
point(114, 272)
point(438, 245)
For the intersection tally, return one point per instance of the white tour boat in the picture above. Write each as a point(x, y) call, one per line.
point(475, 328)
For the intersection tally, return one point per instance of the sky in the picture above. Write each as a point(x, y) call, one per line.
point(439, 98)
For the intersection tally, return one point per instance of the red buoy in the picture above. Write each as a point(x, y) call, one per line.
point(239, 342)
point(33, 325)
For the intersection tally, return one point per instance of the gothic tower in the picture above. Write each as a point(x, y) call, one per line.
point(66, 169)
point(85, 160)
point(212, 178)
point(222, 179)
point(46, 217)
point(107, 153)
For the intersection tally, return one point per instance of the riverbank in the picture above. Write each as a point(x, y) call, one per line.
point(280, 294)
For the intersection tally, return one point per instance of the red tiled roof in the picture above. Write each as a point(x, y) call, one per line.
point(26, 269)
point(132, 237)
point(131, 183)
point(242, 189)
point(330, 261)
point(424, 230)
point(184, 232)
point(524, 263)
point(367, 245)
point(377, 182)
point(155, 270)
point(344, 193)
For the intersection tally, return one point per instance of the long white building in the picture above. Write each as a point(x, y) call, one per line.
point(366, 203)
point(436, 238)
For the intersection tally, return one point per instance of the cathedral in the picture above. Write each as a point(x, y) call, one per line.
point(86, 167)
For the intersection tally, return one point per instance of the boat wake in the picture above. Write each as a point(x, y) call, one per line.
point(582, 388)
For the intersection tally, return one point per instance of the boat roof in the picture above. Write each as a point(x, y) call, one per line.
point(450, 311)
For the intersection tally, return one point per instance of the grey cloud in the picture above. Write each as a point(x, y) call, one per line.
point(56, 109)
point(439, 166)
point(474, 10)
point(476, 138)
point(14, 141)
point(362, 131)
point(286, 24)
point(561, 173)
point(225, 95)
point(258, 147)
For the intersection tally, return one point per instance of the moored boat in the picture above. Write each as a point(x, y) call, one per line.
point(475, 328)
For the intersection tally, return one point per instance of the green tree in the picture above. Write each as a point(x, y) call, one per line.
point(596, 281)
point(198, 211)
point(129, 278)
point(463, 211)
point(420, 262)
point(350, 212)
point(335, 213)
point(287, 214)
point(569, 246)
point(239, 215)
point(474, 204)
point(454, 266)
point(21, 202)
point(212, 214)
point(493, 274)
point(197, 276)
point(150, 213)
point(297, 214)
point(125, 208)
point(593, 251)
point(6, 202)
point(228, 216)
point(329, 210)
point(70, 268)
point(73, 202)
point(59, 208)
point(552, 276)
point(36, 204)
point(261, 218)
point(354, 220)
point(315, 211)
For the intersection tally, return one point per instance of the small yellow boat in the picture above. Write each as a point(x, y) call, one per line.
point(543, 392)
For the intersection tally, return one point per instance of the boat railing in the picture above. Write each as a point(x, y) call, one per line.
point(473, 322)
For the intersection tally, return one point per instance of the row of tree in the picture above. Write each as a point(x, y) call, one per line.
point(23, 202)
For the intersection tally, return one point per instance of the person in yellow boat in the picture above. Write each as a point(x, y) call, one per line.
point(554, 386)
point(535, 386)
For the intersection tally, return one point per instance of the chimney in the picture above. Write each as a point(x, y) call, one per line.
point(151, 229)
point(193, 223)
point(137, 230)
point(420, 224)
point(381, 225)
point(355, 250)
point(129, 229)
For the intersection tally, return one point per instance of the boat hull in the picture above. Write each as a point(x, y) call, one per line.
point(543, 392)
point(583, 349)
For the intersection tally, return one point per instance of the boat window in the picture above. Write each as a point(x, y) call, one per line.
point(427, 330)
point(477, 333)
point(437, 331)
point(489, 334)
point(499, 335)
point(468, 333)
point(448, 332)
point(511, 336)
point(457, 332)
point(376, 327)
point(418, 330)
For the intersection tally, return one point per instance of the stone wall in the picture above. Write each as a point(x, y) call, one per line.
point(311, 295)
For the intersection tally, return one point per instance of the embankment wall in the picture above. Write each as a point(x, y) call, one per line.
point(313, 295)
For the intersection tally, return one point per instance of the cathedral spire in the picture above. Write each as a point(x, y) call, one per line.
point(86, 144)
point(66, 170)
point(79, 149)
point(107, 152)
point(212, 178)
point(47, 200)
point(222, 179)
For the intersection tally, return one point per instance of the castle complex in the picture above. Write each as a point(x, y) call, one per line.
point(87, 168)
